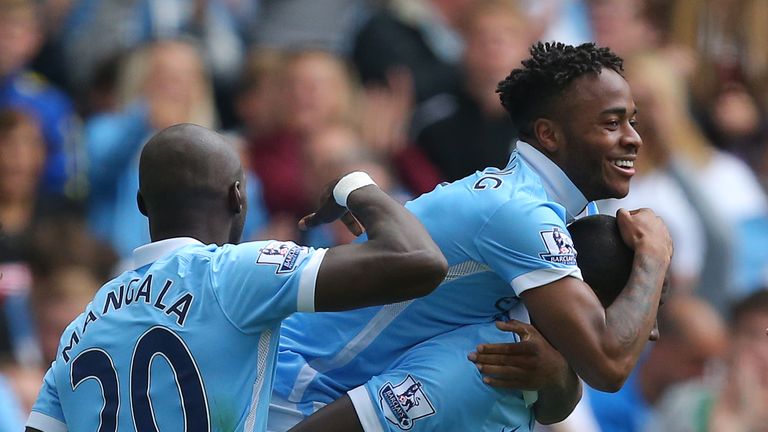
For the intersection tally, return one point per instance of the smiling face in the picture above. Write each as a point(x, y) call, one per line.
point(598, 143)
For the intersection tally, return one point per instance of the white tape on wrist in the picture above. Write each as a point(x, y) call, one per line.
point(348, 184)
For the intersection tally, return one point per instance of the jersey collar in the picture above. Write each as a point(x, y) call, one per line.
point(152, 252)
point(557, 185)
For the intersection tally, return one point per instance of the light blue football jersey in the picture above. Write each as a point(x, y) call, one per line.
point(186, 341)
point(503, 231)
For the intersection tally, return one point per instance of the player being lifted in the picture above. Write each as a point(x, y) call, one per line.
point(189, 336)
point(504, 234)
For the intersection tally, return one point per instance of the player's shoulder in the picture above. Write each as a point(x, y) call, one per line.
point(513, 191)
point(278, 256)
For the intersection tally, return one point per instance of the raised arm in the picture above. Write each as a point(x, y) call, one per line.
point(603, 345)
point(398, 262)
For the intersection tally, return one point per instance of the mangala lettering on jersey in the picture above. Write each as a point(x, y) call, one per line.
point(135, 292)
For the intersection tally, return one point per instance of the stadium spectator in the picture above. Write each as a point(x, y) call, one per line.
point(736, 123)
point(22, 158)
point(191, 185)
point(327, 25)
point(385, 119)
point(94, 31)
point(317, 90)
point(20, 38)
point(330, 153)
point(259, 101)
point(468, 130)
point(692, 335)
point(161, 84)
point(732, 398)
point(56, 300)
point(621, 25)
point(418, 35)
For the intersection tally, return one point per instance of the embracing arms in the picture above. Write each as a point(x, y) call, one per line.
point(531, 364)
point(603, 345)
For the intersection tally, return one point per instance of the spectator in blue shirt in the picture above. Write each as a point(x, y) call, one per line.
point(20, 38)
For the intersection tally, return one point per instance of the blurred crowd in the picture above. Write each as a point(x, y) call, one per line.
point(307, 90)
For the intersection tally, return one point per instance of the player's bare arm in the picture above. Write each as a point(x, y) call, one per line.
point(339, 416)
point(532, 364)
point(603, 345)
point(398, 262)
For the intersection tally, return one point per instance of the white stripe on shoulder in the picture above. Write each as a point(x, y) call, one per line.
point(543, 276)
point(306, 297)
point(45, 423)
point(261, 367)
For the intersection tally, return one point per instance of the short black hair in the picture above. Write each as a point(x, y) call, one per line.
point(527, 93)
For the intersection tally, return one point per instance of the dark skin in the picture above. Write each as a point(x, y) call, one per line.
point(191, 185)
point(589, 132)
point(592, 131)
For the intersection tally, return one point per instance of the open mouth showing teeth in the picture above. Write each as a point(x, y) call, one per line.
point(624, 163)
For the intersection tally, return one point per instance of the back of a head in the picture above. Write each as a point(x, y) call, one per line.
point(532, 91)
point(187, 168)
point(604, 259)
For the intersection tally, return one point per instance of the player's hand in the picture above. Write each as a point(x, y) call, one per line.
point(531, 364)
point(645, 232)
point(329, 211)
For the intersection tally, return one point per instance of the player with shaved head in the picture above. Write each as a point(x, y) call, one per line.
point(189, 336)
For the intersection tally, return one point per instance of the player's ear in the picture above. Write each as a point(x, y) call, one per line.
point(235, 198)
point(141, 204)
point(547, 134)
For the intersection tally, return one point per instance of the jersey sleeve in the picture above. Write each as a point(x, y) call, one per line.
point(527, 245)
point(47, 414)
point(260, 283)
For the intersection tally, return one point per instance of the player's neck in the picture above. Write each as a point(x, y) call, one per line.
point(205, 232)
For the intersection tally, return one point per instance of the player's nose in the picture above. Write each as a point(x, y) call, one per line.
point(631, 138)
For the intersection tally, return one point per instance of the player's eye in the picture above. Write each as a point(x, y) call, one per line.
point(612, 124)
point(633, 122)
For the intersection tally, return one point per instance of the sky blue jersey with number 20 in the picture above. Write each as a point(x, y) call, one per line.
point(186, 341)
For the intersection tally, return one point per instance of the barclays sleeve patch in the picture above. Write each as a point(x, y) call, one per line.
point(405, 403)
point(284, 255)
point(559, 246)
